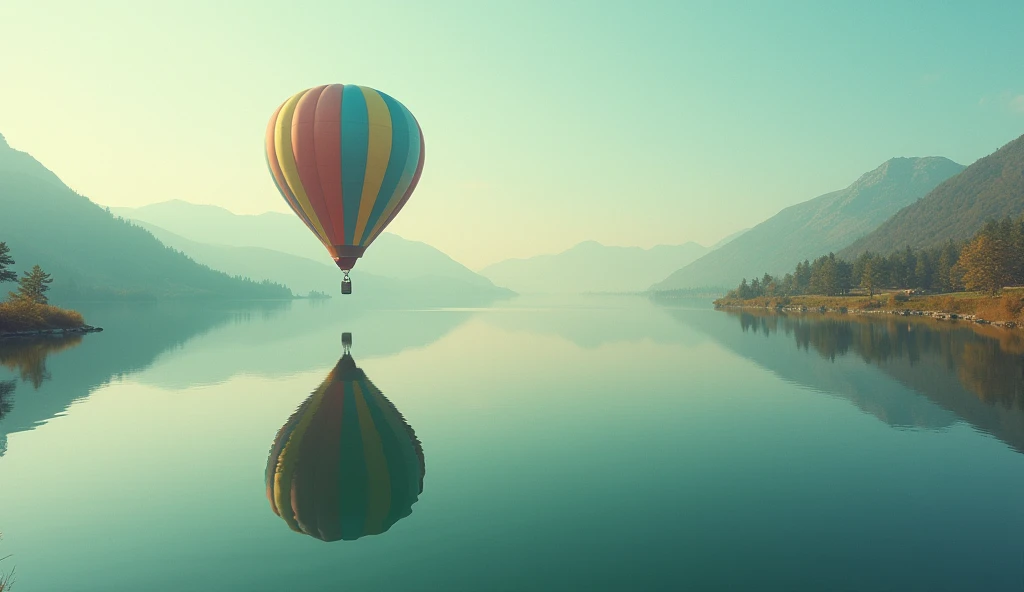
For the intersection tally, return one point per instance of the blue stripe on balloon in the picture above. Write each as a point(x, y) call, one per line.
point(355, 141)
point(396, 162)
point(352, 474)
point(393, 442)
point(414, 150)
point(411, 162)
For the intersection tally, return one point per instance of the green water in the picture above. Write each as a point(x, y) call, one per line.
point(588, 444)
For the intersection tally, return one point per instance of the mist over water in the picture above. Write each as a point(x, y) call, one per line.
point(567, 443)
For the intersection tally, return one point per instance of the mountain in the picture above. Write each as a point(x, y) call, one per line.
point(816, 227)
point(279, 248)
point(298, 273)
point(593, 267)
point(991, 188)
point(90, 253)
point(215, 225)
point(728, 239)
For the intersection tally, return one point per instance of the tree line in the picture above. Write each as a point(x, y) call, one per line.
point(992, 259)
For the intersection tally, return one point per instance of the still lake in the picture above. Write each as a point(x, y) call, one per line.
point(596, 443)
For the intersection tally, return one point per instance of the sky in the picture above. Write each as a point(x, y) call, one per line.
point(546, 123)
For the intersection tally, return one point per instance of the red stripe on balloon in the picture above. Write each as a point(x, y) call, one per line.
point(327, 139)
point(326, 460)
point(304, 150)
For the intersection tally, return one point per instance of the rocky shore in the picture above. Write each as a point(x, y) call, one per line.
point(942, 316)
point(46, 332)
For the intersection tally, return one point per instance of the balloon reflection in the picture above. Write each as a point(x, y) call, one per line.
point(345, 464)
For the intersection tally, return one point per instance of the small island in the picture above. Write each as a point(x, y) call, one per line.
point(27, 311)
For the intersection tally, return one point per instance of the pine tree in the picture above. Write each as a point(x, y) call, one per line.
point(945, 279)
point(33, 285)
point(869, 277)
point(6, 275)
point(923, 271)
point(985, 263)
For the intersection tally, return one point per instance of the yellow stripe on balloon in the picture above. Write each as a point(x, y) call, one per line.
point(404, 182)
point(378, 151)
point(289, 459)
point(379, 480)
point(286, 158)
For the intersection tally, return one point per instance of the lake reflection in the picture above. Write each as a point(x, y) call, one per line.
point(574, 444)
point(25, 358)
point(975, 372)
point(346, 464)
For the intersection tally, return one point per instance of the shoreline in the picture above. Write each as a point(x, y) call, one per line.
point(51, 332)
point(903, 312)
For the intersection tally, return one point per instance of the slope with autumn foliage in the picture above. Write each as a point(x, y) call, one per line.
point(990, 189)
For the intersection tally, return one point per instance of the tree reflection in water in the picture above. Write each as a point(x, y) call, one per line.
point(987, 361)
point(27, 357)
point(6, 396)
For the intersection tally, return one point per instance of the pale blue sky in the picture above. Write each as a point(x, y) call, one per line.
point(546, 123)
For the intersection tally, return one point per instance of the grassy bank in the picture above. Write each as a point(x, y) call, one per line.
point(25, 315)
point(1004, 308)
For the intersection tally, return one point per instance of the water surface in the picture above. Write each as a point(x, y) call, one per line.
point(587, 444)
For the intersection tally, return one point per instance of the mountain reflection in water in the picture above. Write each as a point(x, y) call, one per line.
point(974, 371)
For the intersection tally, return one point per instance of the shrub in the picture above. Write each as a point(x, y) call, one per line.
point(19, 314)
point(897, 297)
point(1006, 308)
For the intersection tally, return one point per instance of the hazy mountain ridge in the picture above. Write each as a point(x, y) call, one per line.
point(826, 223)
point(278, 247)
point(215, 225)
point(593, 267)
point(90, 253)
point(728, 239)
point(991, 188)
point(298, 273)
point(16, 161)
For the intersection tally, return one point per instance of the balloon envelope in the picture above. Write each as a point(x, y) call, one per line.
point(346, 158)
point(346, 464)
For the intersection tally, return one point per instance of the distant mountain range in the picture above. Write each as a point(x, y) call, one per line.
point(991, 188)
point(90, 253)
point(278, 247)
point(816, 227)
point(593, 267)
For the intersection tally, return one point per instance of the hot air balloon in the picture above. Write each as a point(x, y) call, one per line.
point(346, 158)
point(346, 464)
